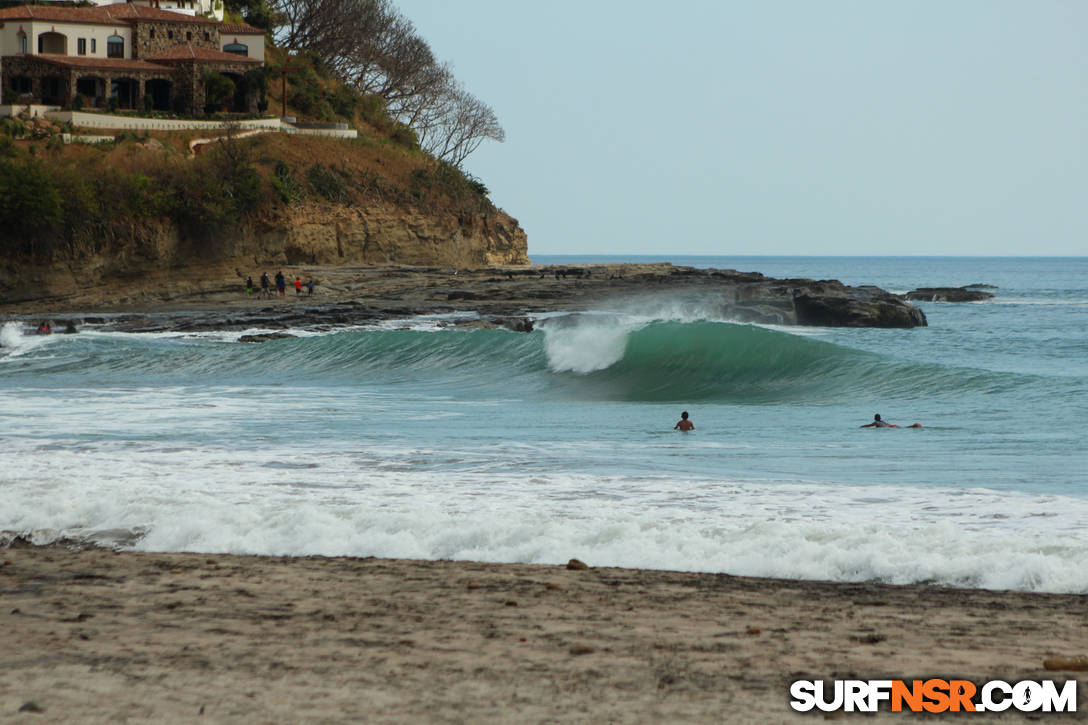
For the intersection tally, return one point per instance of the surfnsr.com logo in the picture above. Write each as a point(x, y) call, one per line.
point(933, 695)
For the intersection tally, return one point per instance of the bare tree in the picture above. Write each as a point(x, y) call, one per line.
point(468, 122)
point(376, 50)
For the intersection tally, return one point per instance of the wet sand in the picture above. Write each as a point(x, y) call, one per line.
point(96, 636)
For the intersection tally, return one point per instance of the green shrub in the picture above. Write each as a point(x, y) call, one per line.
point(327, 183)
point(30, 203)
point(344, 102)
point(478, 186)
point(218, 90)
point(286, 186)
point(404, 136)
point(12, 127)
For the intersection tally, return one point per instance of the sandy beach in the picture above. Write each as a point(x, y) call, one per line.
point(97, 636)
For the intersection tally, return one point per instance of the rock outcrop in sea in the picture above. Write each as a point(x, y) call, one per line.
point(970, 293)
point(214, 298)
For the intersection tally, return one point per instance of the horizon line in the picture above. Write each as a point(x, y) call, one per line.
point(871, 256)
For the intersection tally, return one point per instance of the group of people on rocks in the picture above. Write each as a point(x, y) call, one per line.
point(281, 285)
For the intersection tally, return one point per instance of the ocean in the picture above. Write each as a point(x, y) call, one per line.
point(410, 439)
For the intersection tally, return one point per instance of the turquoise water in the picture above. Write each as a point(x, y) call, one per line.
point(414, 440)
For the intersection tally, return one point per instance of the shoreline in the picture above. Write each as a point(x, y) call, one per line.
point(97, 635)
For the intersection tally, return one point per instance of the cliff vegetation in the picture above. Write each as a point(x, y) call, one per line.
point(146, 201)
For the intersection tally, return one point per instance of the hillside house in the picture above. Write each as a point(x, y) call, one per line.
point(207, 8)
point(145, 56)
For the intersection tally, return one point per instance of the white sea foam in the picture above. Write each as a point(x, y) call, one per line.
point(13, 341)
point(385, 503)
point(587, 344)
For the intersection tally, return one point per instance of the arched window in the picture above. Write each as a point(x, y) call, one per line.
point(115, 47)
point(151, 33)
point(237, 49)
point(53, 42)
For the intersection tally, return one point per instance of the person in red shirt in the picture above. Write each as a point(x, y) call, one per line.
point(298, 286)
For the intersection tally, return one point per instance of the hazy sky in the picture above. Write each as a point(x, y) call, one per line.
point(711, 127)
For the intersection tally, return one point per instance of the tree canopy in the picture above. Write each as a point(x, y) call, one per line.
point(373, 48)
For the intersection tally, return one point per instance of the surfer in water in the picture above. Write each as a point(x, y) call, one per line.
point(684, 424)
point(878, 423)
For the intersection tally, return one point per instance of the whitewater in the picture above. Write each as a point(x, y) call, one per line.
point(417, 439)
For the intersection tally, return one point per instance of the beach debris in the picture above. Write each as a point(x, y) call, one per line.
point(582, 649)
point(577, 565)
point(511, 603)
point(1078, 664)
point(552, 587)
point(31, 706)
point(755, 630)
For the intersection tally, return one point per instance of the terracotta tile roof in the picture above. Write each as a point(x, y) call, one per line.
point(106, 64)
point(198, 53)
point(239, 29)
point(128, 11)
point(103, 14)
point(58, 13)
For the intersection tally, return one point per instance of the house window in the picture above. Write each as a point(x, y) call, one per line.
point(22, 42)
point(94, 45)
point(115, 47)
point(188, 36)
point(207, 35)
point(237, 49)
point(151, 33)
point(81, 46)
point(53, 42)
point(169, 34)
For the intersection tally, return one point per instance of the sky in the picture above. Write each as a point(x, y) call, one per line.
point(785, 128)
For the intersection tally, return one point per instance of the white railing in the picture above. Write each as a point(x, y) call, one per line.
point(84, 119)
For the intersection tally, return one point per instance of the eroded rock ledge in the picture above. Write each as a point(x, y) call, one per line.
point(498, 296)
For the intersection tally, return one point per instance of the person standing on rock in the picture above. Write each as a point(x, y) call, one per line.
point(265, 285)
point(281, 283)
point(684, 424)
point(249, 285)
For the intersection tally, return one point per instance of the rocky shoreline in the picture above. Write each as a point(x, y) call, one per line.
point(510, 297)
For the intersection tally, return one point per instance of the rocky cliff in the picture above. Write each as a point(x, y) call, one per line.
point(140, 257)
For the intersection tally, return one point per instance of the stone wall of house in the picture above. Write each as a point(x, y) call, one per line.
point(167, 35)
point(28, 67)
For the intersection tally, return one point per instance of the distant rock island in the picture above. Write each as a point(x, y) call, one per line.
point(968, 293)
